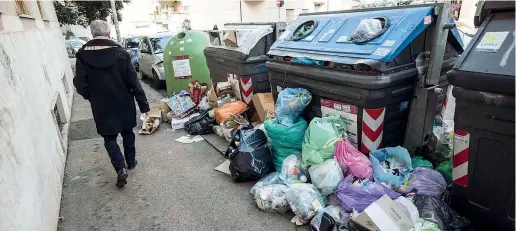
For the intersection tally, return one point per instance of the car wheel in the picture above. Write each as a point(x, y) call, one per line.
point(156, 82)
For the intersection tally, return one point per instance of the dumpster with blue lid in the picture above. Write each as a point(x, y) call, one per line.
point(242, 56)
point(483, 161)
point(361, 65)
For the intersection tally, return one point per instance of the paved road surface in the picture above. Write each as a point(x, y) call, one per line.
point(174, 186)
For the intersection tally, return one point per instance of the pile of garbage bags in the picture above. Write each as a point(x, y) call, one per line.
point(313, 170)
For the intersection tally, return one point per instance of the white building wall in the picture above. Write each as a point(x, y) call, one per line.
point(35, 75)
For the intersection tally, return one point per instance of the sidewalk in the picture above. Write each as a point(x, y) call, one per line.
point(174, 186)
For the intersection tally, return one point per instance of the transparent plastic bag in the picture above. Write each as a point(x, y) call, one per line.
point(290, 104)
point(272, 198)
point(285, 140)
point(321, 137)
point(326, 176)
point(436, 211)
point(443, 131)
point(426, 181)
point(181, 104)
point(294, 170)
point(271, 178)
point(339, 219)
point(305, 201)
point(391, 165)
point(367, 30)
point(357, 195)
point(349, 157)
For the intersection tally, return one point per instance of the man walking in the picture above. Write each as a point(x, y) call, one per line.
point(107, 79)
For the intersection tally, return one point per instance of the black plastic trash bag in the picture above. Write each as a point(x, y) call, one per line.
point(438, 212)
point(235, 142)
point(200, 125)
point(252, 160)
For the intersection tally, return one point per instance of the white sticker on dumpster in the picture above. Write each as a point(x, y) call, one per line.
point(342, 39)
point(491, 41)
point(428, 20)
point(382, 51)
point(347, 112)
point(389, 43)
point(181, 66)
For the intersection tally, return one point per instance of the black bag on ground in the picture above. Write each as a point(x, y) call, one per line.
point(200, 125)
point(253, 160)
point(438, 212)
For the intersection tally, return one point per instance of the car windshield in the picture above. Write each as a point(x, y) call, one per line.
point(159, 43)
point(132, 42)
point(76, 43)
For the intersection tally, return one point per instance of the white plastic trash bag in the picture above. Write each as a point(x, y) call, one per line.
point(326, 176)
point(272, 198)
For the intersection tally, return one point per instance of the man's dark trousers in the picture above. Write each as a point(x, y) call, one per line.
point(112, 148)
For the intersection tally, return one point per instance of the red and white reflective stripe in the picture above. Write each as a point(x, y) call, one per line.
point(448, 110)
point(372, 129)
point(247, 89)
point(460, 158)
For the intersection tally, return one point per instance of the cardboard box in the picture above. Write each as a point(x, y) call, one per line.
point(384, 215)
point(264, 105)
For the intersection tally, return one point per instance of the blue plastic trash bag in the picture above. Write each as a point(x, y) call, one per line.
point(305, 201)
point(426, 181)
point(271, 178)
point(358, 194)
point(290, 104)
point(391, 165)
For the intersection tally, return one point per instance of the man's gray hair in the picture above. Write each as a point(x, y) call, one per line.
point(99, 28)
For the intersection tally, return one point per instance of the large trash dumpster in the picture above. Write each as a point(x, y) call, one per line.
point(367, 81)
point(184, 60)
point(483, 161)
point(243, 60)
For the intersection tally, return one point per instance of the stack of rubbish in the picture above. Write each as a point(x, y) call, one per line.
point(313, 170)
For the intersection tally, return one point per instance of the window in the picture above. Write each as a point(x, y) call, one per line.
point(159, 44)
point(290, 15)
point(21, 7)
point(145, 46)
point(40, 8)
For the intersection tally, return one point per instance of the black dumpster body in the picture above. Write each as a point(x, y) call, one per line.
point(245, 63)
point(483, 161)
point(369, 84)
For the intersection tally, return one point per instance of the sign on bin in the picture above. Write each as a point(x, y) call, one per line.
point(181, 65)
point(347, 112)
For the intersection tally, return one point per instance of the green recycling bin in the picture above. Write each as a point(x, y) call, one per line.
point(184, 60)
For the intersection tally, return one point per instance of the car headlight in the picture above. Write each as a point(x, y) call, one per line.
point(160, 64)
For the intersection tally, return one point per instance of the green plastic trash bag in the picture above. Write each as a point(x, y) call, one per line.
point(418, 161)
point(285, 140)
point(321, 137)
point(445, 168)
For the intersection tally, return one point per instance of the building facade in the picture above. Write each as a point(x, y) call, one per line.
point(35, 107)
point(204, 14)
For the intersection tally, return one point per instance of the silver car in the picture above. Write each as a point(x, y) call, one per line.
point(151, 57)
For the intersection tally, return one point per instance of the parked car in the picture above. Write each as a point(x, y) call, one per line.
point(151, 57)
point(75, 44)
point(131, 46)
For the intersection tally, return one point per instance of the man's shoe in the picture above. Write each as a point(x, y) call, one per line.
point(132, 166)
point(121, 180)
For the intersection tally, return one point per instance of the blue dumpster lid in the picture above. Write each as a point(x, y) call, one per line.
point(329, 41)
